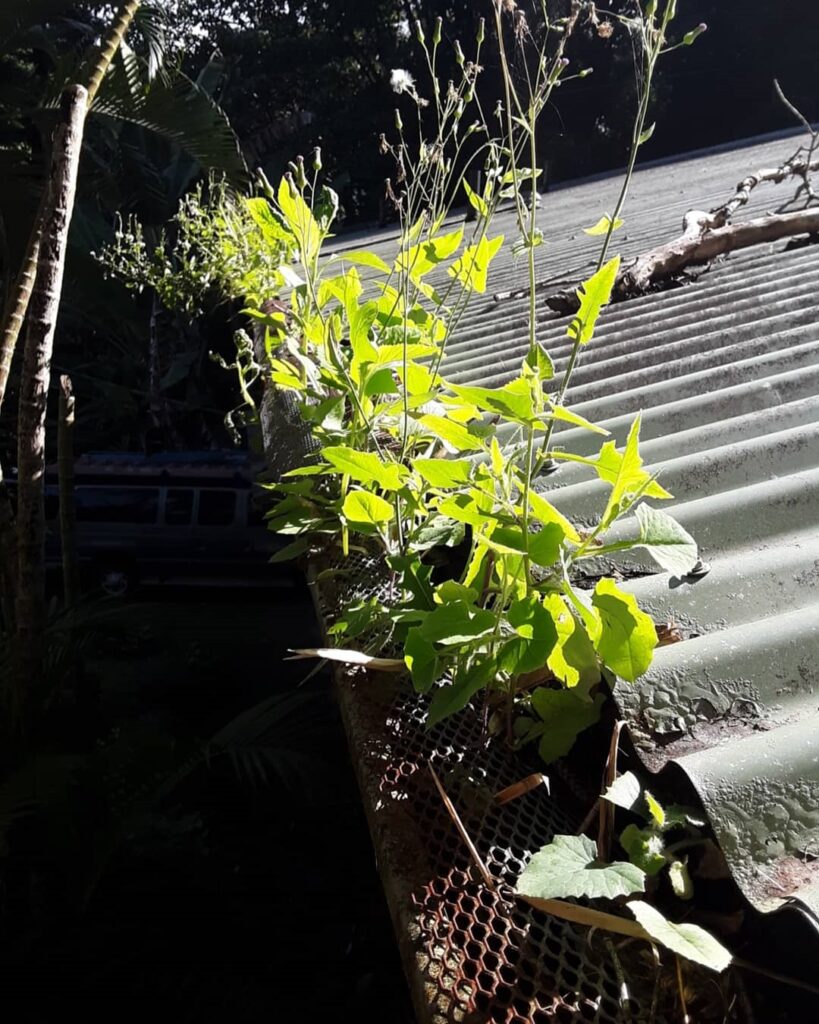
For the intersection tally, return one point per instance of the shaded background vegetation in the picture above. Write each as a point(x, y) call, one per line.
point(293, 75)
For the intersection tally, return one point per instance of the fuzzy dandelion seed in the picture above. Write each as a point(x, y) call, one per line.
point(401, 80)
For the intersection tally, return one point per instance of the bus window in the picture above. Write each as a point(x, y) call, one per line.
point(178, 506)
point(117, 504)
point(216, 508)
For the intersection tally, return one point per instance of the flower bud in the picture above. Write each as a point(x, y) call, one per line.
point(399, 124)
point(481, 31)
point(419, 32)
point(317, 158)
point(436, 38)
point(459, 54)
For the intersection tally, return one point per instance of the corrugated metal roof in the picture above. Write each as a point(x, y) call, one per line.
point(726, 372)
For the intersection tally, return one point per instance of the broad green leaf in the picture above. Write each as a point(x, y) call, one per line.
point(688, 940)
point(455, 436)
point(457, 623)
point(471, 268)
point(547, 514)
point(381, 382)
point(666, 541)
point(655, 809)
point(437, 532)
point(538, 359)
point(387, 355)
point(450, 699)
point(644, 847)
point(443, 472)
point(536, 632)
point(569, 868)
point(626, 791)
point(465, 509)
point(545, 545)
point(370, 509)
point(573, 659)
point(363, 258)
point(475, 200)
point(415, 579)
point(680, 879)
point(498, 461)
point(602, 226)
point(420, 259)
point(451, 590)
point(421, 659)
point(560, 412)
point(627, 637)
point(366, 467)
point(593, 295)
point(271, 227)
point(300, 219)
point(565, 715)
point(513, 401)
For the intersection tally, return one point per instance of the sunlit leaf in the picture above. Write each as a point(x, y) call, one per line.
point(366, 467)
point(628, 637)
point(688, 940)
point(363, 507)
point(593, 294)
point(602, 226)
point(471, 268)
point(569, 868)
point(672, 547)
point(645, 848)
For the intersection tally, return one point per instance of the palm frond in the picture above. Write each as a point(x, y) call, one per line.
point(180, 111)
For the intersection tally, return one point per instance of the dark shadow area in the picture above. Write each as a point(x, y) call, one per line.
point(198, 889)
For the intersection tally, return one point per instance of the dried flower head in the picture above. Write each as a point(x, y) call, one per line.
point(605, 30)
point(401, 80)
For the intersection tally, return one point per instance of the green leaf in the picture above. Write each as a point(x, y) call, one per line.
point(536, 632)
point(467, 682)
point(363, 507)
point(425, 256)
point(415, 579)
point(602, 226)
point(545, 545)
point(475, 200)
point(291, 550)
point(627, 637)
point(513, 401)
point(421, 659)
point(547, 514)
point(566, 715)
point(560, 412)
point(626, 473)
point(666, 541)
point(300, 219)
point(573, 659)
point(645, 848)
point(688, 940)
point(443, 472)
point(472, 267)
point(381, 382)
point(625, 791)
point(363, 258)
point(437, 532)
point(454, 435)
point(593, 294)
point(457, 623)
point(366, 467)
point(538, 359)
point(680, 879)
point(655, 809)
point(569, 868)
point(646, 134)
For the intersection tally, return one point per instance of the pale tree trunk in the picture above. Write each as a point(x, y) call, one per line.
point(34, 384)
point(15, 312)
point(65, 475)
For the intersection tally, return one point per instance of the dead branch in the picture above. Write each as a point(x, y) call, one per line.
point(698, 244)
point(706, 235)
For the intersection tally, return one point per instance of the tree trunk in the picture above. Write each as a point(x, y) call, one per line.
point(34, 385)
point(65, 474)
point(15, 312)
